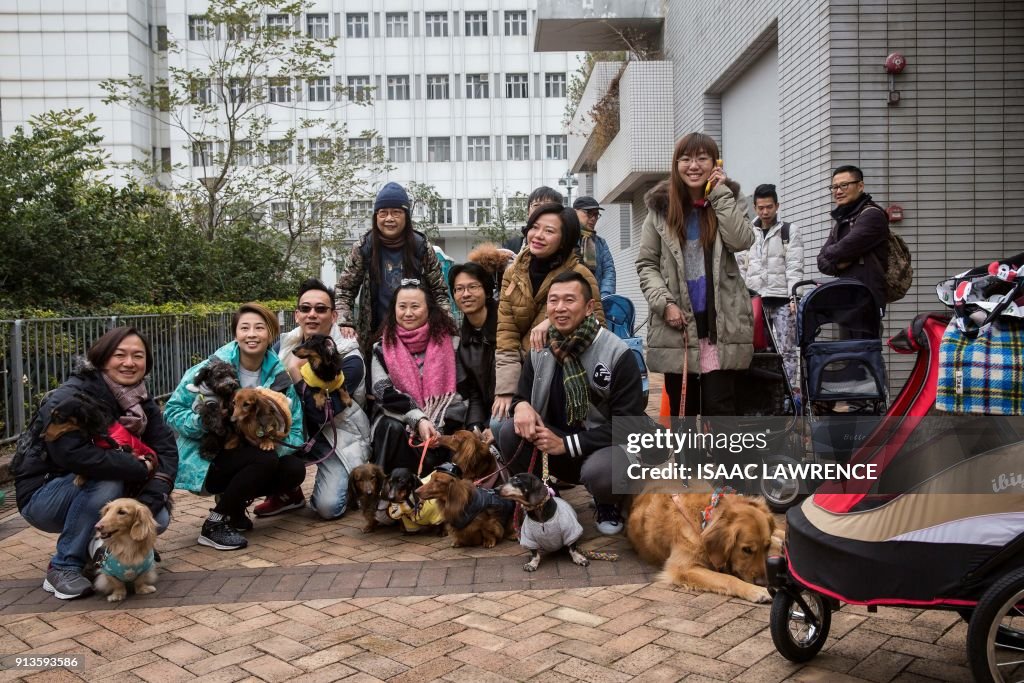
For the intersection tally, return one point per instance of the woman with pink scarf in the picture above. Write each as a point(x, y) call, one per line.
point(413, 376)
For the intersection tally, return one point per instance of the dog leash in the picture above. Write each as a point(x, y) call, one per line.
point(427, 445)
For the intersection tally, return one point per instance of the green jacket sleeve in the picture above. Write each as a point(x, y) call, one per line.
point(733, 224)
point(648, 267)
point(178, 412)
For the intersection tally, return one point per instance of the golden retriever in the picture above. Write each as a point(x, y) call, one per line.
point(262, 416)
point(727, 556)
point(128, 531)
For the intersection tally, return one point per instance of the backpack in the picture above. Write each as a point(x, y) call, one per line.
point(899, 274)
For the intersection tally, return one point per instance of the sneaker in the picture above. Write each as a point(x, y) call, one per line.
point(66, 584)
point(221, 536)
point(239, 522)
point(280, 502)
point(609, 519)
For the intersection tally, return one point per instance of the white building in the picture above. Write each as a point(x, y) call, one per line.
point(462, 102)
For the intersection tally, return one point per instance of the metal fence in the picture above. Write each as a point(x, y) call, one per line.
point(37, 355)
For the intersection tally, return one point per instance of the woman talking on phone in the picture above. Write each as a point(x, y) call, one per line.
point(699, 303)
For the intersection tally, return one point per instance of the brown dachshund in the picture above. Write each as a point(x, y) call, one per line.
point(262, 416)
point(472, 456)
point(365, 485)
point(128, 531)
point(474, 516)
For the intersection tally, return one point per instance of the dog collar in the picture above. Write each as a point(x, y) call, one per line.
point(716, 497)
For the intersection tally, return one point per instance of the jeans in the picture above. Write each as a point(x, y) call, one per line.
point(330, 490)
point(60, 507)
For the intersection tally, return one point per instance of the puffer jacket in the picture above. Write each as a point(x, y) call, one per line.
point(858, 245)
point(605, 272)
point(771, 267)
point(520, 309)
point(181, 416)
point(73, 453)
point(663, 281)
point(356, 279)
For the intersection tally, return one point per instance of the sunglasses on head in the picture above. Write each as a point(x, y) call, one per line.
point(319, 308)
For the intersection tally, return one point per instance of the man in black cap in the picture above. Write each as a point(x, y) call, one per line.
point(593, 250)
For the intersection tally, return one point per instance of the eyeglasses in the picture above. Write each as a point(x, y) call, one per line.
point(703, 160)
point(409, 281)
point(593, 212)
point(319, 308)
point(461, 289)
point(843, 186)
point(393, 213)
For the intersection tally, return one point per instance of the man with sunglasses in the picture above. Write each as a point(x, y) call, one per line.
point(348, 432)
point(858, 245)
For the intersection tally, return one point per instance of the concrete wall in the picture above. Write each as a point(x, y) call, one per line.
point(750, 124)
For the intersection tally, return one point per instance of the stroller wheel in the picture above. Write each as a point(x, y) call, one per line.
point(799, 624)
point(995, 637)
point(780, 493)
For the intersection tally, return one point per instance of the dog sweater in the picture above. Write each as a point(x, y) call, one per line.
point(561, 530)
point(311, 380)
point(111, 566)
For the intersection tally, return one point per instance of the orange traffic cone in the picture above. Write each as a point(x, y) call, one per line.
point(665, 413)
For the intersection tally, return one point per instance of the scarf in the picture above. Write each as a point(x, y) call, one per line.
point(588, 249)
point(568, 351)
point(396, 242)
point(433, 386)
point(130, 400)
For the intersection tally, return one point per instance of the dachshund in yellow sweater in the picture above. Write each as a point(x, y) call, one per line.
point(322, 372)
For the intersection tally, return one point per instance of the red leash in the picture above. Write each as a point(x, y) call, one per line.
point(427, 445)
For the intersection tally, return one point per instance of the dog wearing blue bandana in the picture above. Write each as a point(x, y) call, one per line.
point(128, 532)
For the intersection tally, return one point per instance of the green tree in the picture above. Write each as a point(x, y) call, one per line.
point(245, 74)
point(505, 218)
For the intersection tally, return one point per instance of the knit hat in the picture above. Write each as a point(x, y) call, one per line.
point(391, 196)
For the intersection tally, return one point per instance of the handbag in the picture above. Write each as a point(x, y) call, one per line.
point(981, 371)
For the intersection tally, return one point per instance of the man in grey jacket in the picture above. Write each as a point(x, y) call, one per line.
point(771, 267)
point(568, 394)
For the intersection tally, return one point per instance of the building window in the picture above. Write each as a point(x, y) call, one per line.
point(161, 38)
point(477, 87)
point(516, 86)
point(554, 85)
point(202, 153)
point(398, 87)
point(279, 24)
point(243, 153)
point(202, 92)
point(518, 148)
point(238, 31)
point(199, 28)
point(360, 149)
point(476, 23)
point(319, 89)
point(479, 148)
point(359, 89)
point(319, 150)
point(361, 208)
point(479, 211)
point(437, 87)
point(399, 150)
point(396, 24)
point(357, 25)
point(318, 26)
point(439, 149)
point(441, 212)
point(281, 214)
point(239, 89)
point(279, 89)
point(556, 148)
point(515, 23)
point(280, 152)
point(437, 24)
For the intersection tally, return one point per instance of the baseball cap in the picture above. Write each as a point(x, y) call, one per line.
point(586, 204)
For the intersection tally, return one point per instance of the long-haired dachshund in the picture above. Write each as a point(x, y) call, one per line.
point(128, 531)
point(263, 417)
point(549, 524)
point(474, 516)
point(365, 485)
point(216, 384)
point(322, 372)
point(472, 456)
point(415, 514)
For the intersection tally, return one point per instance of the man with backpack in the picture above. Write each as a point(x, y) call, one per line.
point(771, 267)
point(859, 244)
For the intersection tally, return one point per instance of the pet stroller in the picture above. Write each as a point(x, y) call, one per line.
point(619, 316)
point(842, 379)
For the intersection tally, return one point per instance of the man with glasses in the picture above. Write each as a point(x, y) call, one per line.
point(347, 433)
point(858, 245)
point(593, 250)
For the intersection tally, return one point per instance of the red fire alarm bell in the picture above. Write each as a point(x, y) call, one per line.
point(895, 212)
point(895, 63)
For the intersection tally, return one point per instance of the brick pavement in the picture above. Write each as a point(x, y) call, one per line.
point(320, 601)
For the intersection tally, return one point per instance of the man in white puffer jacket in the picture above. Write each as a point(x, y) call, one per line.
point(771, 267)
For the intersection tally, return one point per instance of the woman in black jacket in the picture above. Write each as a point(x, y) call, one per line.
point(48, 497)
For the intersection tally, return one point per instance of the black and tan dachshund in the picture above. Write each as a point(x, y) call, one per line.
point(324, 376)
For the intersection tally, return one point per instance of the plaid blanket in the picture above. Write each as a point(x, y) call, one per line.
point(985, 375)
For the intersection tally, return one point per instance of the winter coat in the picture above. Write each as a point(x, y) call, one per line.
point(858, 245)
point(348, 434)
point(476, 361)
point(605, 271)
point(520, 309)
point(75, 454)
point(771, 267)
point(357, 278)
point(181, 415)
point(659, 263)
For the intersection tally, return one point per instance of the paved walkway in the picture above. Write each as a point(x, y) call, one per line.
point(320, 601)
